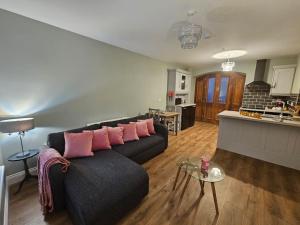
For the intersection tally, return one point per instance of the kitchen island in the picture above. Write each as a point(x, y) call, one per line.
point(265, 139)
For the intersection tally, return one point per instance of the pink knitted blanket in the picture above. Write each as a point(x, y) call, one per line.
point(46, 159)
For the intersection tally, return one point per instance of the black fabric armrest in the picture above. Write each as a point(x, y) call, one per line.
point(163, 131)
point(56, 177)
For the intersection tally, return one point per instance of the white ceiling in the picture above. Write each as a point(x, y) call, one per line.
point(264, 28)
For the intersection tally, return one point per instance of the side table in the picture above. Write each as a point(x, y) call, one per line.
point(14, 158)
point(193, 167)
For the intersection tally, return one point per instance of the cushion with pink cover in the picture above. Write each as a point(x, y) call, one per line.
point(78, 145)
point(100, 139)
point(142, 129)
point(150, 125)
point(115, 135)
point(129, 133)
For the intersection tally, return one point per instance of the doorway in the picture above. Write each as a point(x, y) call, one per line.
point(216, 92)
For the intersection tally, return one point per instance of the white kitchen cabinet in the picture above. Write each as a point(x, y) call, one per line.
point(264, 139)
point(183, 82)
point(189, 83)
point(179, 81)
point(282, 80)
point(180, 84)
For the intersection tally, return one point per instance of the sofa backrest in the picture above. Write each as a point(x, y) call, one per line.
point(57, 140)
point(114, 123)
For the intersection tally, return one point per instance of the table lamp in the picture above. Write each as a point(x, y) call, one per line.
point(20, 126)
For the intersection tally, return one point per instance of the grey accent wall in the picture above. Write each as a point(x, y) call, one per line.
point(65, 80)
point(257, 96)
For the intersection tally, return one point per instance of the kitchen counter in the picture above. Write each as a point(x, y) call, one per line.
point(264, 139)
point(266, 111)
point(237, 115)
point(186, 104)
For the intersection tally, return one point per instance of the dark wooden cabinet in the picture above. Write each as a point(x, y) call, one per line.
point(192, 110)
point(187, 117)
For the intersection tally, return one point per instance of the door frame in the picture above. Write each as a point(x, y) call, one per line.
point(201, 103)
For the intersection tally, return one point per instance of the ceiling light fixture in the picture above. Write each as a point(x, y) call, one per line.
point(229, 54)
point(189, 34)
point(228, 65)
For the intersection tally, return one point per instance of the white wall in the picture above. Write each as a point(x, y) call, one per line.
point(247, 67)
point(1, 158)
point(65, 80)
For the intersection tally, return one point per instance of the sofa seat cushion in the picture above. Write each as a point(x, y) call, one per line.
point(133, 148)
point(97, 185)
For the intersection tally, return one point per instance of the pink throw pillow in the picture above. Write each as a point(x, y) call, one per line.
point(115, 135)
point(150, 125)
point(78, 145)
point(129, 133)
point(100, 139)
point(141, 128)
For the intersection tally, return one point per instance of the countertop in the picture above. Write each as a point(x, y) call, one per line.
point(265, 110)
point(186, 104)
point(237, 115)
point(169, 114)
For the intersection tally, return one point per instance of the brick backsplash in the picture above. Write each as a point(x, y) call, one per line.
point(257, 96)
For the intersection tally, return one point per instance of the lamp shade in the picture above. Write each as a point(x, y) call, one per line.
point(16, 125)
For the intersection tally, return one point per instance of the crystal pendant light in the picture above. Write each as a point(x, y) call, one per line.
point(190, 35)
point(228, 65)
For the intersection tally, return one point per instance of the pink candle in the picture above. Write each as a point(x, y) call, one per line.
point(204, 164)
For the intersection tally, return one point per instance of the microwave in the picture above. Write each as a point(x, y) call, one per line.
point(178, 101)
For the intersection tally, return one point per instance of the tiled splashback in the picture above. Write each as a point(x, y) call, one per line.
point(257, 96)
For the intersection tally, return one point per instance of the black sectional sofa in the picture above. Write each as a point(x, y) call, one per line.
point(100, 190)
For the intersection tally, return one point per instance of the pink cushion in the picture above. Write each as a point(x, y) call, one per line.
point(78, 145)
point(115, 135)
point(129, 133)
point(141, 128)
point(100, 139)
point(150, 125)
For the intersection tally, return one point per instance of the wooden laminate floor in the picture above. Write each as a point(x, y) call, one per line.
point(253, 193)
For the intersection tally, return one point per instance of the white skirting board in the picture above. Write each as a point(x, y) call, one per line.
point(17, 177)
point(5, 220)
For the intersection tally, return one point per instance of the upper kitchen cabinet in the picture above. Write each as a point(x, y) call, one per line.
point(282, 80)
point(296, 85)
point(179, 81)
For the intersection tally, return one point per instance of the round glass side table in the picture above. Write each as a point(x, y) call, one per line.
point(15, 157)
point(192, 167)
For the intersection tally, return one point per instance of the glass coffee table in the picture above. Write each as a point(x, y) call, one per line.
point(192, 167)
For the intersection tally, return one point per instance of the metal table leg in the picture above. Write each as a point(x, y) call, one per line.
point(215, 197)
point(28, 176)
point(186, 184)
point(176, 124)
point(177, 175)
point(202, 186)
